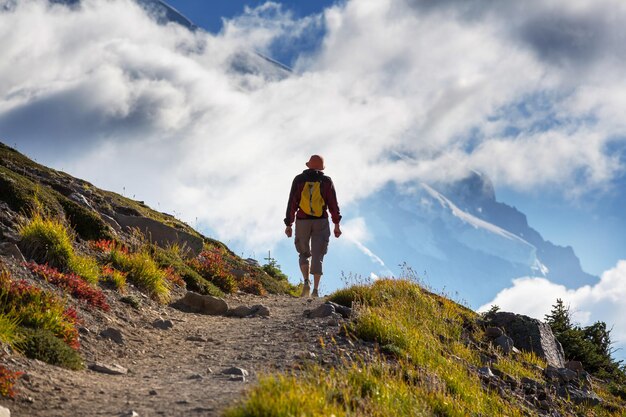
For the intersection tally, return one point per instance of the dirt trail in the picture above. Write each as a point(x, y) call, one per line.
point(175, 372)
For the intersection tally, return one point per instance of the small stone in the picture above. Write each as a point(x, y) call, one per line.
point(11, 250)
point(108, 369)
point(485, 372)
point(203, 304)
point(195, 376)
point(261, 310)
point(131, 413)
point(4, 412)
point(113, 334)
point(504, 342)
point(321, 311)
point(237, 378)
point(153, 392)
point(162, 324)
point(567, 375)
point(345, 312)
point(239, 311)
point(84, 330)
point(235, 371)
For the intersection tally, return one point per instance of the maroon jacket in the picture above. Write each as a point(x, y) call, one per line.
point(328, 194)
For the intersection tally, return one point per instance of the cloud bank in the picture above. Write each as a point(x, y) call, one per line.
point(603, 301)
point(398, 90)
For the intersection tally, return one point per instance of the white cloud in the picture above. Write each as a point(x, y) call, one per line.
point(603, 301)
point(109, 95)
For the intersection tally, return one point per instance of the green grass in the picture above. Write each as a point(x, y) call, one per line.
point(174, 256)
point(423, 368)
point(42, 344)
point(9, 325)
point(48, 241)
point(143, 271)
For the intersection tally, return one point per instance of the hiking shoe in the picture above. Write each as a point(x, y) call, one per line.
point(315, 294)
point(306, 288)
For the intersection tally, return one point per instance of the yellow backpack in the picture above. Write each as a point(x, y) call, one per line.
point(311, 200)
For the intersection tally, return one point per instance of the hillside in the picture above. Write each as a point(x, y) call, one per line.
point(108, 307)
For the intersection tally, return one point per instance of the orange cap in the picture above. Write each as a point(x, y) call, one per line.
point(316, 162)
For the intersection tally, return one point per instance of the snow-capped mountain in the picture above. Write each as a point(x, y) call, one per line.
point(458, 238)
point(242, 62)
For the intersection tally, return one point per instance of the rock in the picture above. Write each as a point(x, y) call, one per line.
point(345, 312)
point(162, 324)
point(113, 334)
point(567, 375)
point(261, 310)
point(111, 222)
point(321, 311)
point(579, 396)
point(245, 311)
point(4, 412)
point(239, 311)
point(493, 332)
point(235, 371)
point(530, 335)
point(195, 376)
point(11, 250)
point(253, 262)
point(108, 369)
point(131, 413)
point(574, 365)
point(153, 392)
point(159, 233)
point(485, 372)
point(203, 304)
point(237, 378)
point(505, 343)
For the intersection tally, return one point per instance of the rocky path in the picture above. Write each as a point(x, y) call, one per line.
point(177, 371)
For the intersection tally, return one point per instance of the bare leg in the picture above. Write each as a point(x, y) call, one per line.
point(306, 288)
point(316, 283)
point(304, 268)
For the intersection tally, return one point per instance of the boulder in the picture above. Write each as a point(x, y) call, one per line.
point(159, 233)
point(324, 310)
point(530, 335)
point(203, 304)
point(162, 324)
point(505, 343)
point(245, 311)
point(108, 369)
point(493, 332)
point(345, 312)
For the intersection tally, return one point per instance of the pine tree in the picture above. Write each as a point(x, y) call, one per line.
point(559, 318)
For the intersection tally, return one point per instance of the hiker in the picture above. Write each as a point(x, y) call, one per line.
point(312, 194)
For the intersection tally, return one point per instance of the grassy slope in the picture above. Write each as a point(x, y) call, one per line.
point(429, 351)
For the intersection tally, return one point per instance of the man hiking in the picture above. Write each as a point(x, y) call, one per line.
point(312, 196)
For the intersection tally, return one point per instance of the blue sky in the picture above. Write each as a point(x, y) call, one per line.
point(390, 91)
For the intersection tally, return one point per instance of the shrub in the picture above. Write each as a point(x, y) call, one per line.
point(47, 241)
point(251, 286)
point(38, 309)
point(87, 223)
point(7, 381)
point(115, 277)
point(211, 265)
point(42, 344)
point(142, 271)
point(9, 325)
point(71, 283)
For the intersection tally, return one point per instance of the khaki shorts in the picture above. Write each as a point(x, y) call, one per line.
point(312, 236)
